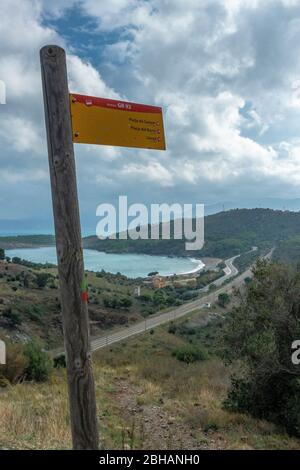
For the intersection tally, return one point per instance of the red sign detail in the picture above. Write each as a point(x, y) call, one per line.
point(115, 104)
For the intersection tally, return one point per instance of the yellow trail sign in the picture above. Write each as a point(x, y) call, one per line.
point(103, 121)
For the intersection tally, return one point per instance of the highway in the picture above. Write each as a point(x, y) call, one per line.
point(159, 319)
point(230, 271)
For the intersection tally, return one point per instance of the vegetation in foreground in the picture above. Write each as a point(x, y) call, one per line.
point(258, 336)
point(169, 388)
point(147, 396)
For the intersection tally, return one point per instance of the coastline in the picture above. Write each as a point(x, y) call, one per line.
point(199, 267)
point(196, 265)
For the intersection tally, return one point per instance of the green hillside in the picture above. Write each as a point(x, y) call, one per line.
point(288, 251)
point(226, 234)
point(26, 241)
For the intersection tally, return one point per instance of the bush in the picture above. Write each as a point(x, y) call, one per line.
point(172, 329)
point(42, 279)
point(223, 299)
point(39, 364)
point(190, 353)
point(14, 370)
point(257, 336)
point(115, 302)
point(12, 316)
point(59, 361)
point(124, 302)
point(189, 295)
point(277, 399)
point(34, 312)
point(145, 298)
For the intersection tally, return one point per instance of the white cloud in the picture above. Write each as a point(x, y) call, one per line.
point(204, 61)
point(22, 34)
point(21, 134)
point(115, 14)
point(23, 154)
point(152, 171)
point(226, 72)
point(85, 79)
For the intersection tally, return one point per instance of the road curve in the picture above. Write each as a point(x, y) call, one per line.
point(161, 318)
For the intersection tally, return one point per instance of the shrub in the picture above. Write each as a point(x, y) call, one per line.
point(110, 302)
point(190, 353)
point(145, 298)
point(124, 302)
point(34, 312)
point(189, 295)
point(257, 336)
point(59, 361)
point(16, 363)
point(172, 329)
point(223, 299)
point(115, 302)
point(12, 316)
point(42, 279)
point(39, 364)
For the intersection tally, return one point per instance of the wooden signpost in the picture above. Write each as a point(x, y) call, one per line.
point(83, 413)
point(95, 121)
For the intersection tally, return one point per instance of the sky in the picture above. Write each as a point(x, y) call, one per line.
point(226, 72)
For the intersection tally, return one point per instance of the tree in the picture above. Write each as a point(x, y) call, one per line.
point(42, 279)
point(159, 298)
point(2, 254)
point(223, 299)
point(152, 273)
point(258, 336)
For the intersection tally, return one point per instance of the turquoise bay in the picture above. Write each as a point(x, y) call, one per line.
point(131, 265)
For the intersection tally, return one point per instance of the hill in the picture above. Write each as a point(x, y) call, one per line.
point(26, 241)
point(226, 234)
point(288, 251)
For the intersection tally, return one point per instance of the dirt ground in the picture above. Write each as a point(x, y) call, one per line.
point(152, 427)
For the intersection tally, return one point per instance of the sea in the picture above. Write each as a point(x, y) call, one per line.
point(131, 265)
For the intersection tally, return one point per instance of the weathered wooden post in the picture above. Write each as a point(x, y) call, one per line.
point(69, 250)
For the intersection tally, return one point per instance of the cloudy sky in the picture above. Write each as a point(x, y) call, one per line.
point(226, 72)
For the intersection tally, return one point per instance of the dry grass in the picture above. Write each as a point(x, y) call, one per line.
point(35, 416)
point(193, 393)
